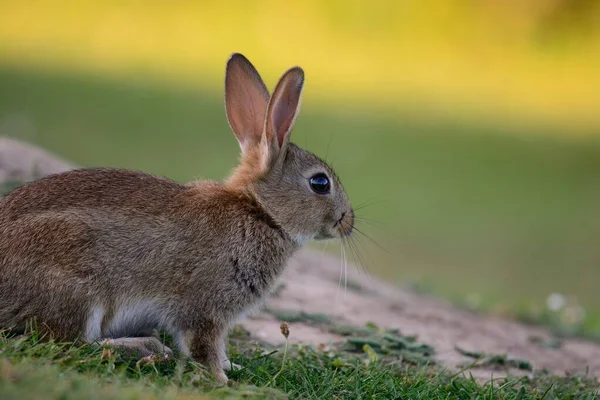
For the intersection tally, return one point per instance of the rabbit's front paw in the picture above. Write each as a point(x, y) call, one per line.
point(229, 366)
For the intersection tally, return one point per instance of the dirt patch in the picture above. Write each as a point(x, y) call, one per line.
point(22, 162)
point(310, 284)
point(309, 297)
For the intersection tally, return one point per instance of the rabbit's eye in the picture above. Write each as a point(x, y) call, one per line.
point(320, 184)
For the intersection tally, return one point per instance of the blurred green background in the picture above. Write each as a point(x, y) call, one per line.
point(469, 127)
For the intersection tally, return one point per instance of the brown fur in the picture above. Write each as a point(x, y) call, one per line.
point(107, 253)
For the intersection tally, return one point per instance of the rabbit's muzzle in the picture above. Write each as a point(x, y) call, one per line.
point(345, 225)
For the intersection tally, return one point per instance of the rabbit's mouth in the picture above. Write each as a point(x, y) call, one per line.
point(345, 225)
point(342, 228)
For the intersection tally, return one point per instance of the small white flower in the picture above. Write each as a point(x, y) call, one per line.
point(556, 302)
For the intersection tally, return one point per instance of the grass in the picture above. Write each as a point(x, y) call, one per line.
point(33, 368)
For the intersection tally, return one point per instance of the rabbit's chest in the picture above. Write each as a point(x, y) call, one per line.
point(253, 272)
point(252, 278)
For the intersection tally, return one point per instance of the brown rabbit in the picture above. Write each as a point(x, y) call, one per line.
point(110, 255)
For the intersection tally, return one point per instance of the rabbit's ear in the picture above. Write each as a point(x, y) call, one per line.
point(246, 100)
point(284, 106)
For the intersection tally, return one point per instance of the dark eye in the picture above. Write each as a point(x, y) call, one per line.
point(320, 184)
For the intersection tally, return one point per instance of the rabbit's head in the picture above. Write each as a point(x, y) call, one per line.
point(298, 189)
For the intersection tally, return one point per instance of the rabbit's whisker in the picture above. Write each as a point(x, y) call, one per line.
point(345, 272)
point(367, 203)
point(341, 270)
point(381, 247)
point(369, 221)
point(357, 254)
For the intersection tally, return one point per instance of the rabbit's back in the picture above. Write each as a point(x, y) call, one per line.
point(72, 221)
point(91, 188)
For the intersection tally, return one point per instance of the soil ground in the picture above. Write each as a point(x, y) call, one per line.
point(310, 284)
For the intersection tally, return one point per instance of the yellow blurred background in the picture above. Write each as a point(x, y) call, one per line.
point(534, 59)
point(474, 125)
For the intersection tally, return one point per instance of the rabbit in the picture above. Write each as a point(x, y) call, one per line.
point(109, 255)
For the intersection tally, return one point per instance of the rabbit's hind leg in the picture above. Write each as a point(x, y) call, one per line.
point(138, 347)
